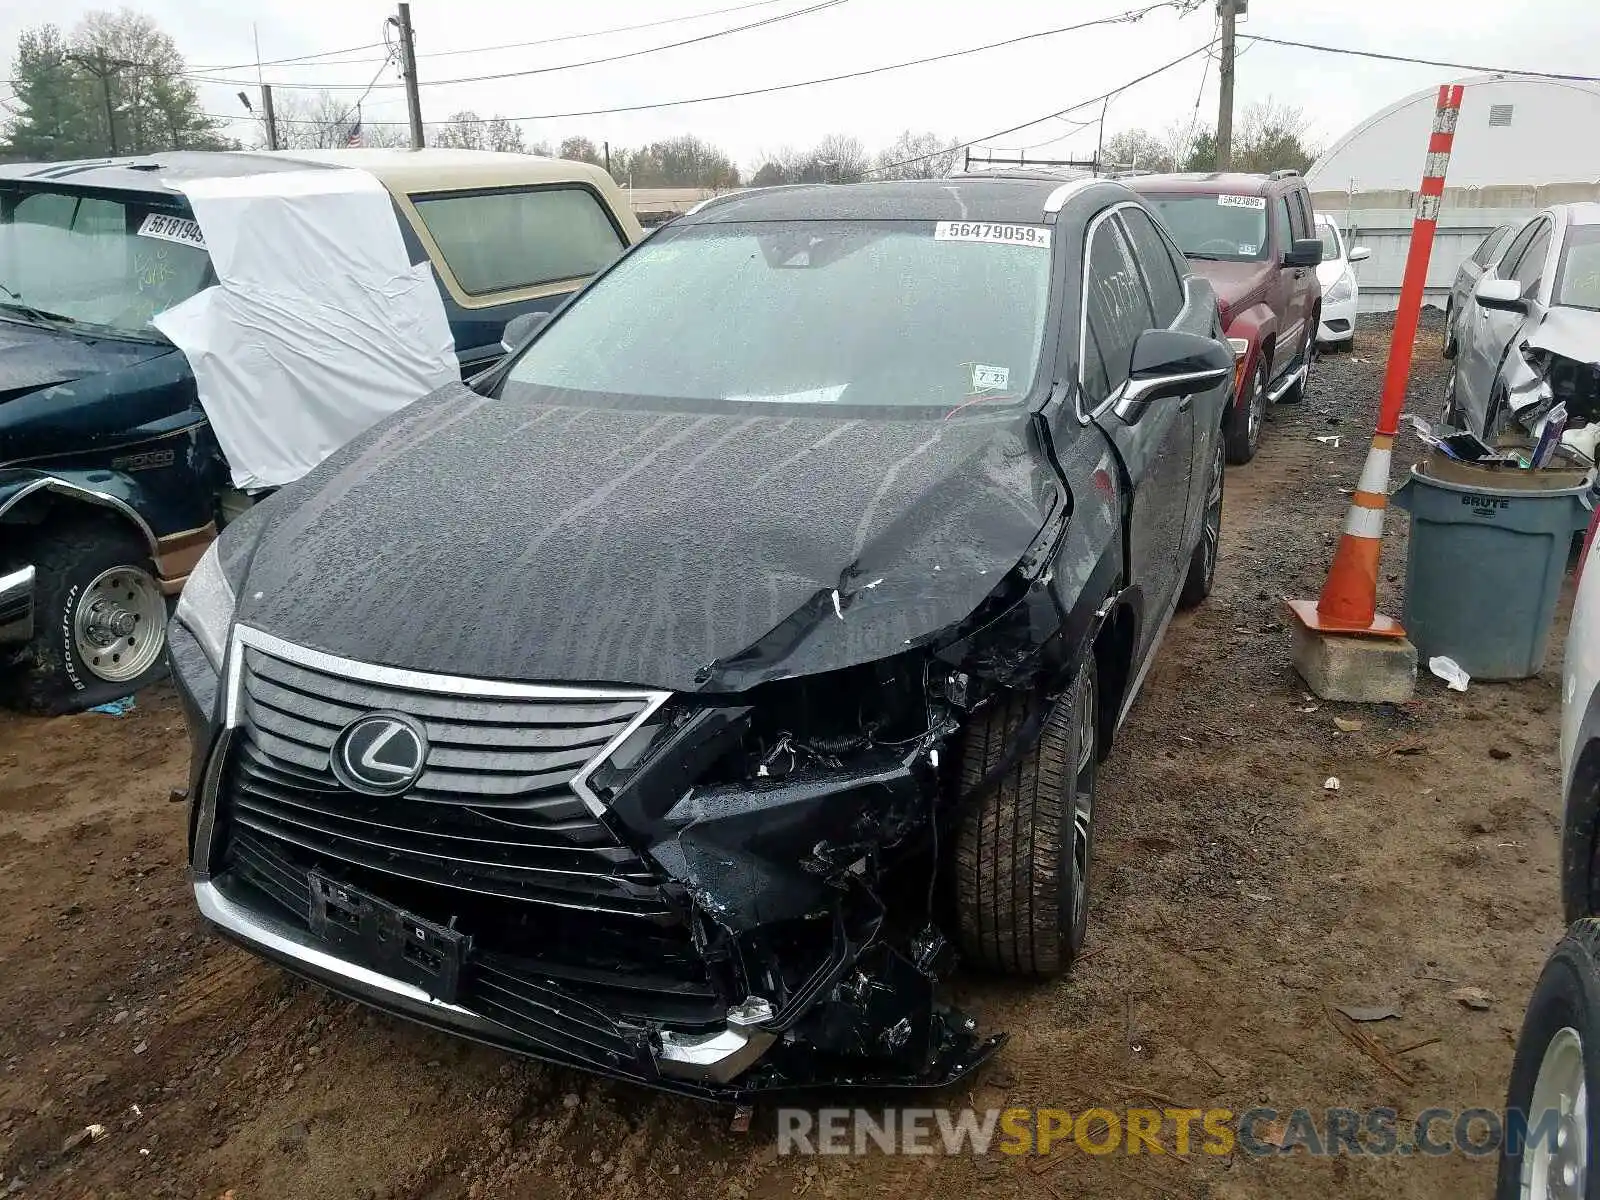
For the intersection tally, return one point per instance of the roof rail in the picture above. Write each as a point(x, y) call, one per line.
point(1057, 199)
point(1284, 173)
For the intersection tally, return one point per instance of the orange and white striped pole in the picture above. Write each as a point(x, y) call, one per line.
point(1349, 600)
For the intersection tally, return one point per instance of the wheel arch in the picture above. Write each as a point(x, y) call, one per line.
point(48, 498)
point(1580, 836)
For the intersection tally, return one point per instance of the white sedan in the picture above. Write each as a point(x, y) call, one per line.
point(1341, 292)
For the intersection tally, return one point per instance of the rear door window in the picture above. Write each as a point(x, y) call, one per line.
point(1529, 270)
point(1490, 246)
point(1300, 215)
point(1166, 288)
point(1285, 229)
point(496, 241)
point(1513, 254)
point(1116, 311)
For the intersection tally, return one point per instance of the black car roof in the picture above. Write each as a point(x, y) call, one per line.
point(149, 173)
point(1013, 197)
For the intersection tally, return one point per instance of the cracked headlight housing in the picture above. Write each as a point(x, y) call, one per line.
point(1343, 290)
point(206, 607)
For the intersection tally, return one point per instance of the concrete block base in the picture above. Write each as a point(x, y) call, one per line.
point(1357, 670)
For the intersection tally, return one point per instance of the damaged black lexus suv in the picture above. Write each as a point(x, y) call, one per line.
point(654, 705)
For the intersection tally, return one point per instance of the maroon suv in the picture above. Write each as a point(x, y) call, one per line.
point(1253, 237)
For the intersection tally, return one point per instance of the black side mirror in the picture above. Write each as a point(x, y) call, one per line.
point(520, 328)
point(1168, 363)
point(1304, 252)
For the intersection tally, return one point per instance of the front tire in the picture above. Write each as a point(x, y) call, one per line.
point(1025, 849)
point(1247, 422)
point(1555, 1078)
point(1203, 561)
point(100, 620)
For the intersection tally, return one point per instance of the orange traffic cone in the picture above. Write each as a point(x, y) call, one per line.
point(1349, 600)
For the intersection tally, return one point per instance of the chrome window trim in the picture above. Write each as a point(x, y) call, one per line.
point(453, 685)
point(1101, 218)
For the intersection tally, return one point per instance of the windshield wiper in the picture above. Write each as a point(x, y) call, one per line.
point(37, 315)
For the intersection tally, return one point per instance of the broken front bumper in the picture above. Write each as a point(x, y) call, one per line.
point(16, 606)
point(722, 944)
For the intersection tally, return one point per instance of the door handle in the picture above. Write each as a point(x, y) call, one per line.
point(1188, 399)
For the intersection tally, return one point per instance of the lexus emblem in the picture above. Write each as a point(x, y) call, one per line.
point(381, 754)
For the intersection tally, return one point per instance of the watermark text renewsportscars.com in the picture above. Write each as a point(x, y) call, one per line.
point(1257, 1132)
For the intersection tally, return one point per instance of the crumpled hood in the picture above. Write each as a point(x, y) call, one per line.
point(1237, 284)
point(33, 358)
point(1568, 332)
point(539, 539)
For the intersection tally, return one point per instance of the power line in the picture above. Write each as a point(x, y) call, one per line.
point(610, 58)
point(989, 137)
point(300, 59)
point(1421, 62)
point(1120, 18)
point(304, 60)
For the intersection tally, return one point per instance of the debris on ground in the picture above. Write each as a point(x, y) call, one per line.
point(1347, 724)
point(1367, 1013)
point(1450, 671)
point(116, 708)
point(1472, 997)
point(1331, 784)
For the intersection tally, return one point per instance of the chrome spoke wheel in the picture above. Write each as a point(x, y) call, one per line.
point(1258, 405)
point(1555, 1167)
point(119, 626)
point(1083, 721)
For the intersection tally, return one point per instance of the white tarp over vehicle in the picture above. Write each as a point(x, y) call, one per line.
point(318, 327)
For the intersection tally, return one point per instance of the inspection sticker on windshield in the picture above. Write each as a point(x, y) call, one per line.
point(990, 379)
point(984, 231)
point(172, 229)
point(1242, 201)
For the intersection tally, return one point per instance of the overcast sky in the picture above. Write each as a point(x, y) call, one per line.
point(963, 98)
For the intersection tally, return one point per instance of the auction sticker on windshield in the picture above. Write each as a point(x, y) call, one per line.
point(172, 229)
point(1242, 201)
point(984, 231)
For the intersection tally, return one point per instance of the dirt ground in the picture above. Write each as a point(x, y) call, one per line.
point(1235, 902)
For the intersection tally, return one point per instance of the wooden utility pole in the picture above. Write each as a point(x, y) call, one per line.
point(408, 71)
point(1227, 12)
point(269, 117)
point(103, 67)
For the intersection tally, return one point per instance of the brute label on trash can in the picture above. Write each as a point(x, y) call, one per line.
point(1485, 506)
point(1487, 554)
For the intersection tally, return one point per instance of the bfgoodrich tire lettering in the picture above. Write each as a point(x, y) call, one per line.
point(1025, 849)
point(73, 561)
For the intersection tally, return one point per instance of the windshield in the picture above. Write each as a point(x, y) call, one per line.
point(1330, 242)
point(94, 261)
point(903, 314)
point(1230, 228)
point(1578, 282)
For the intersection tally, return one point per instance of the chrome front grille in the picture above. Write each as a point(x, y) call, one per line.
point(501, 809)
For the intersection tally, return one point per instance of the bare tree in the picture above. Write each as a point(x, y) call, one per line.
point(466, 130)
point(916, 156)
point(579, 149)
point(153, 105)
point(1137, 149)
point(1270, 136)
point(315, 121)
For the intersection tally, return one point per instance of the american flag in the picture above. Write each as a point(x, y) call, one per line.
point(355, 138)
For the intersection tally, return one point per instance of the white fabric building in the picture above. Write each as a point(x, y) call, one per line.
point(1521, 144)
